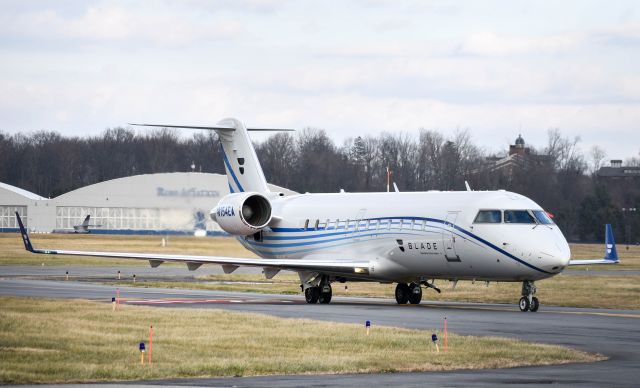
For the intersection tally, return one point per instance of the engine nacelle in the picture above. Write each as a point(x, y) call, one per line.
point(242, 213)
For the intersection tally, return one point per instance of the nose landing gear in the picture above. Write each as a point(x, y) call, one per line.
point(528, 302)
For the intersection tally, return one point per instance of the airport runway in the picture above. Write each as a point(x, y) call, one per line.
point(615, 333)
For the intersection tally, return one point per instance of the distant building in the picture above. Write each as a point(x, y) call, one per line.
point(167, 203)
point(619, 172)
point(519, 156)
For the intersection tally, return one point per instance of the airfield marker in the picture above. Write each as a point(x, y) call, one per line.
point(67, 275)
point(134, 278)
point(434, 338)
point(367, 324)
point(141, 347)
point(118, 274)
point(446, 337)
point(150, 342)
point(113, 303)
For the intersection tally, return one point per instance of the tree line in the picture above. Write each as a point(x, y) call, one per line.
point(564, 182)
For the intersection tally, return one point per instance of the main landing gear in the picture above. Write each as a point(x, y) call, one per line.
point(528, 302)
point(411, 293)
point(321, 293)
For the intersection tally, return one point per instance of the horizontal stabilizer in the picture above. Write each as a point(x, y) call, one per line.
point(216, 128)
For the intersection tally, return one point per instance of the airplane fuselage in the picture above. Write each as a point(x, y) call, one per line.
point(415, 235)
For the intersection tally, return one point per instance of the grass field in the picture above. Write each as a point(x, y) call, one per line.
point(12, 250)
point(52, 341)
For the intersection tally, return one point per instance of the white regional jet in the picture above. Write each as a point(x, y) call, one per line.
point(408, 238)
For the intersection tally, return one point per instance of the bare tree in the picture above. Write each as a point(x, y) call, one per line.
point(597, 155)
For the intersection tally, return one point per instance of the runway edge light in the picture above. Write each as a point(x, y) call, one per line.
point(141, 348)
point(367, 324)
point(434, 338)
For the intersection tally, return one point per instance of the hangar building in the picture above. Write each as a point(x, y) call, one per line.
point(141, 204)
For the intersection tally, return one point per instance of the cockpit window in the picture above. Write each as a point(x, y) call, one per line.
point(518, 217)
point(542, 217)
point(488, 217)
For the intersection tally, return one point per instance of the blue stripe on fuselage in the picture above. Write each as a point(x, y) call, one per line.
point(455, 227)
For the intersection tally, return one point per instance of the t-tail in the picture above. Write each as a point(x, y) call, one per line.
point(241, 164)
point(244, 172)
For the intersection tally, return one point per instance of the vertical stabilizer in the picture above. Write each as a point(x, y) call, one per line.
point(244, 172)
point(610, 252)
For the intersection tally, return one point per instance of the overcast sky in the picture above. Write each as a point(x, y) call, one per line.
point(498, 68)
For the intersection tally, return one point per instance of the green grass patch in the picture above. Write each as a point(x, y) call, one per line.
point(54, 341)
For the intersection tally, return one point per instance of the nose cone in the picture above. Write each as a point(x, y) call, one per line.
point(557, 252)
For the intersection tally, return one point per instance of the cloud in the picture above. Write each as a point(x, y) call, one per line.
point(115, 24)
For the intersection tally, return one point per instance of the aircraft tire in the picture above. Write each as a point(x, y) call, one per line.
point(415, 298)
point(535, 304)
point(325, 297)
point(402, 293)
point(524, 304)
point(312, 294)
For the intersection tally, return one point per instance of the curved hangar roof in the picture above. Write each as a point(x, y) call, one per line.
point(154, 190)
point(16, 194)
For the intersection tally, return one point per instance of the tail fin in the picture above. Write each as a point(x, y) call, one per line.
point(244, 172)
point(610, 252)
point(85, 223)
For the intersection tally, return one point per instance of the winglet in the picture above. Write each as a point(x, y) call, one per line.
point(25, 236)
point(610, 252)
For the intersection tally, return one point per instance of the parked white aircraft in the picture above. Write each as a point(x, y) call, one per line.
point(77, 229)
point(408, 238)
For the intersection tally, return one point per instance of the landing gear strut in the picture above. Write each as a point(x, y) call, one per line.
point(321, 293)
point(528, 302)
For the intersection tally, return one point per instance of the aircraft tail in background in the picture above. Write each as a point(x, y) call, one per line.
point(610, 252)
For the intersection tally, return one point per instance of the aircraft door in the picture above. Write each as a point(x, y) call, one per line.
point(449, 238)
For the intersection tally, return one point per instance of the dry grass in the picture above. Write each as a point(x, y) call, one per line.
point(47, 341)
point(12, 250)
point(629, 258)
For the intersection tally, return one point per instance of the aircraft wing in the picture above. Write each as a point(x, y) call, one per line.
point(610, 252)
point(338, 267)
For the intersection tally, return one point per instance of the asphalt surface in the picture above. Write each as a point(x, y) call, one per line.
point(614, 333)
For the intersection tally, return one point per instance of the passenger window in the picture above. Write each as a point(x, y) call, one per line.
point(488, 217)
point(518, 217)
point(542, 217)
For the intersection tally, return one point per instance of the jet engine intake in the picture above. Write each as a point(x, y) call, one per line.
point(242, 214)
